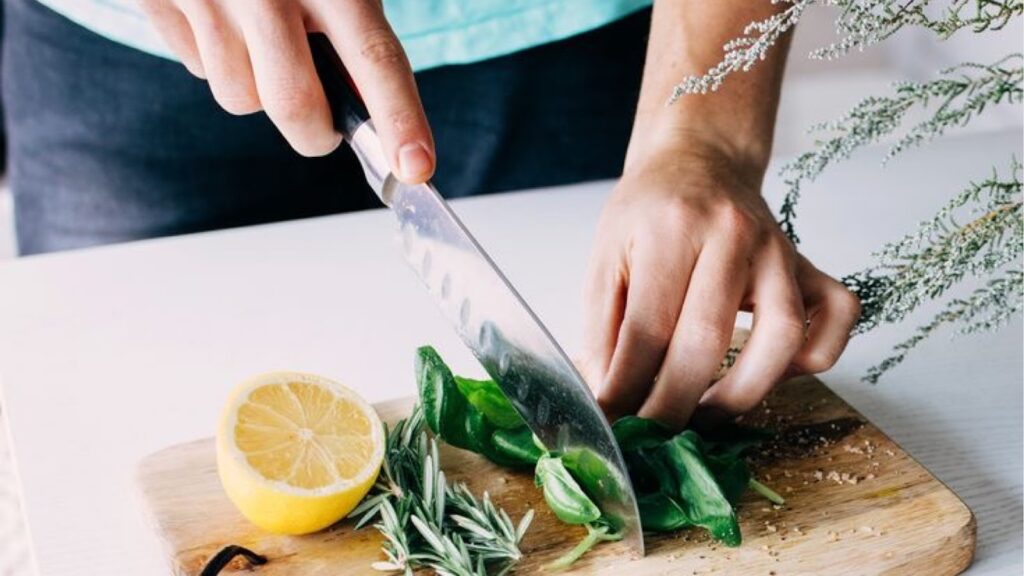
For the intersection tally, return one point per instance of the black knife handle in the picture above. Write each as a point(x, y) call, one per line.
point(347, 107)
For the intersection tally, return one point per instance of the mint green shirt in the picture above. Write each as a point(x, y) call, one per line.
point(434, 32)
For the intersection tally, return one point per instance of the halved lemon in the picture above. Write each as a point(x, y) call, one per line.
point(297, 452)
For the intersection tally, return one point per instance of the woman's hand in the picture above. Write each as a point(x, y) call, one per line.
point(684, 243)
point(256, 56)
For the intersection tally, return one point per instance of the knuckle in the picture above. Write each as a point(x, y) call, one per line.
point(290, 103)
point(193, 65)
point(380, 47)
point(709, 336)
point(790, 329)
point(654, 331)
point(817, 360)
point(206, 20)
point(739, 224)
point(778, 249)
point(404, 122)
point(237, 102)
point(847, 305)
point(678, 212)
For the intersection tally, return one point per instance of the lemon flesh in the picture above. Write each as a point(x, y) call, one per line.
point(297, 452)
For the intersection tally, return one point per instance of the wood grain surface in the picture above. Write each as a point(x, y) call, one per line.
point(855, 504)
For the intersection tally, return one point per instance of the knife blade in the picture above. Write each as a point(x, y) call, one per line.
point(489, 315)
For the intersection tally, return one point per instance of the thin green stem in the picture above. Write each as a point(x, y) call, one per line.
point(595, 534)
point(771, 495)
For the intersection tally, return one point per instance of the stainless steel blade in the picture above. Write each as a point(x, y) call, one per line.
point(505, 335)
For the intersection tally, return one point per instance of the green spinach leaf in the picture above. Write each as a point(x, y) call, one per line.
point(634, 432)
point(660, 513)
point(446, 411)
point(697, 491)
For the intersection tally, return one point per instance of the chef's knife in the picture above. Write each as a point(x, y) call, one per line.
point(489, 315)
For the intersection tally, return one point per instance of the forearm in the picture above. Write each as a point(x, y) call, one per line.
point(739, 119)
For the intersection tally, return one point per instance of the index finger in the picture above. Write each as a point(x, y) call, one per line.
point(378, 65)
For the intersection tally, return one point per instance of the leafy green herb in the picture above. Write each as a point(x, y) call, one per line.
point(472, 414)
point(683, 480)
point(488, 398)
point(563, 494)
point(519, 445)
point(447, 411)
point(695, 488)
point(660, 512)
point(680, 479)
point(634, 432)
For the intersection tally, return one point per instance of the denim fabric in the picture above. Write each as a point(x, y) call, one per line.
point(110, 144)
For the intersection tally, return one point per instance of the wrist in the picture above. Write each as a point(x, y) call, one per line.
point(691, 128)
point(707, 147)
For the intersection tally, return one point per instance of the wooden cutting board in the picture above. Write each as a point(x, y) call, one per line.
point(855, 504)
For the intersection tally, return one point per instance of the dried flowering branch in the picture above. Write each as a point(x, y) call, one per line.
point(860, 24)
point(987, 308)
point(741, 54)
point(955, 99)
point(942, 253)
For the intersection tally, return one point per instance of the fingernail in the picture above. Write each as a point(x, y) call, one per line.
point(414, 162)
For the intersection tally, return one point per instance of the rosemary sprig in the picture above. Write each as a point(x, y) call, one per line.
point(427, 522)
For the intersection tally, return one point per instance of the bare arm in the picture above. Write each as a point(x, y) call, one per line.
point(686, 241)
point(687, 38)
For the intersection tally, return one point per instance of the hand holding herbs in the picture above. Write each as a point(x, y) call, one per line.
point(681, 480)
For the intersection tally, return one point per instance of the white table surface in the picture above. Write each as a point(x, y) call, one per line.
point(109, 354)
